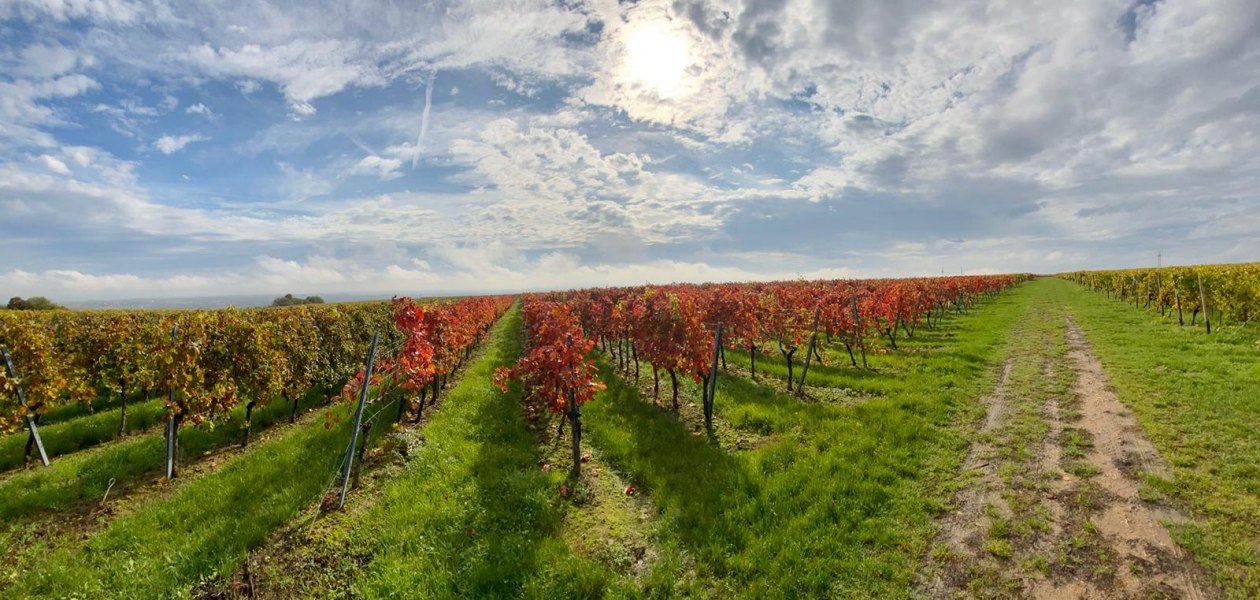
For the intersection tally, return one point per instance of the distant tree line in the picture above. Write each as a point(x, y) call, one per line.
point(32, 303)
point(289, 300)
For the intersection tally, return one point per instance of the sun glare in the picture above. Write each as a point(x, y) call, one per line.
point(657, 58)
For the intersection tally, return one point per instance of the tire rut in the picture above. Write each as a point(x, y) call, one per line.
point(963, 529)
point(1149, 564)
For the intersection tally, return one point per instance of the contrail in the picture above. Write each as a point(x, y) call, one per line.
point(424, 118)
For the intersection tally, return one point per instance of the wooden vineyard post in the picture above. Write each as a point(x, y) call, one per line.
point(713, 375)
point(1159, 291)
point(348, 464)
point(1207, 320)
point(1181, 319)
point(171, 429)
point(809, 353)
point(30, 420)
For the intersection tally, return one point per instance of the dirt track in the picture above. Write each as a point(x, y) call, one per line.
point(1050, 505)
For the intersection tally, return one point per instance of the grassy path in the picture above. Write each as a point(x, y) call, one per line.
point(87, 474)
point(67, 435)
point(1051, 506)
point(1196, 397)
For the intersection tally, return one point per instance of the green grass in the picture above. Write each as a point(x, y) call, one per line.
point(477, 510)
point(474, 515)
point(840, 500)
point(832, 499)
point(65, 412)
point(87, 474)
point(470, 514)
point(202, 531)
point(71, 434)
point(1197, 397)
point(205, 527)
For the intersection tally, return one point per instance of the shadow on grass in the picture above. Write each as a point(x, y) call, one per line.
point(838, 502)
point(204, 527)
point(474, 516)
point(517, 503)
point(86, 475)
point(755, 407)
point(693, 483)
point(772, 370)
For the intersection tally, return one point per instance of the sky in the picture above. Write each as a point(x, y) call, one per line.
point(168, 149)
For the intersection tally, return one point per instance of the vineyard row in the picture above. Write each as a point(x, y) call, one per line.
point(682, 330)
point(1216, 292)
point(204, 363)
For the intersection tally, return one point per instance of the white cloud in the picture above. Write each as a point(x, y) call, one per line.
point(492, 271)
point(170, 144)
point(305, 70)
point(199, 109)
point(383, 168)
point(120, 11)
point(301, 109)
point(46, 60)
point(886, 135)
point(54, 164)
point(302, 183)
point(24, 109)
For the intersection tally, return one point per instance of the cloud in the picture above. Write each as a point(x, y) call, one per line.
point(883, 137)
point(130, 117)
point(302, 183)
point(424, 118)
point(300, 108)
point(25, 110)
point(305, 70)
point(487, 270)
point(383, 168)
point(170, 144)
point(199, 109)
point(117, 11)
point(46, 60)
point(54, 164)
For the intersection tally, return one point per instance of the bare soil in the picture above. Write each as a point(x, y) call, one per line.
point(1150, 564)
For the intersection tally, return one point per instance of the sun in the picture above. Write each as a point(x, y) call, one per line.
point(657, 58)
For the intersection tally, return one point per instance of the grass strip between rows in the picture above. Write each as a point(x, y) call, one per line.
point(70, 435)
point(87, 474)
